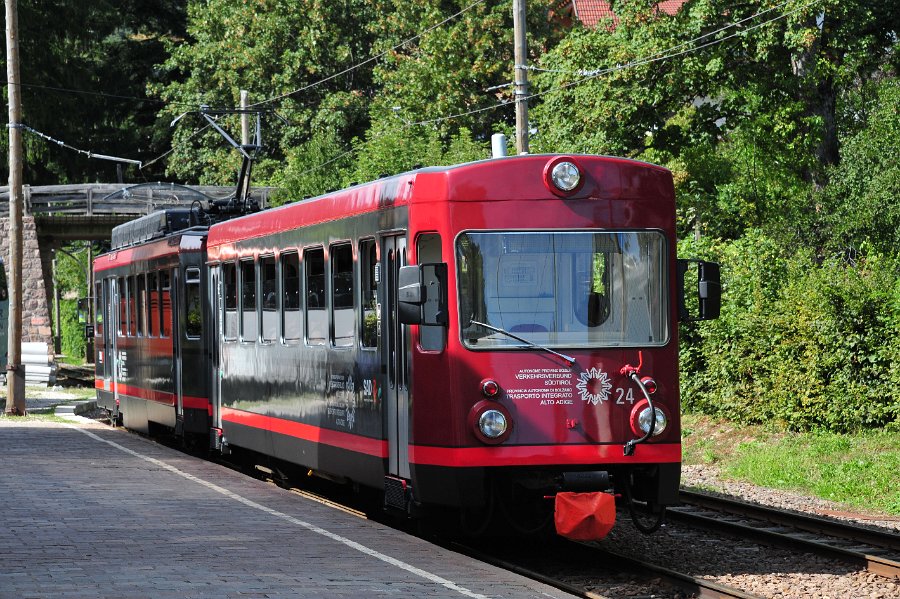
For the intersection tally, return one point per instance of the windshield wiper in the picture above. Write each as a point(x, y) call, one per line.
point(569, 360)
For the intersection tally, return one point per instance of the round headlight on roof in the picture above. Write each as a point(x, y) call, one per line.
point(565, 176)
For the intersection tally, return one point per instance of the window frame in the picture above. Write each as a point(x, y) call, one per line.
point(321, 304)
point(188, 280)
point(368, 275)
point(242, 334)
point(282, 290)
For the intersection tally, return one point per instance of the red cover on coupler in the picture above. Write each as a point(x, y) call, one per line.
point(584, 516)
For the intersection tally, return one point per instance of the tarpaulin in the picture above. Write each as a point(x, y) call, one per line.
point(584, 516)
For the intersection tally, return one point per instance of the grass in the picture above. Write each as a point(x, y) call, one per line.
point(857, 470)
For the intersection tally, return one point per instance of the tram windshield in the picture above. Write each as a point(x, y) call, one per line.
point(571, 289)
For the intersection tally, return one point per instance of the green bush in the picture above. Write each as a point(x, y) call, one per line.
point(802, 344)
point(72, 341)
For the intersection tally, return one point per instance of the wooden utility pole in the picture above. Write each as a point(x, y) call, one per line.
point(521, 57)
point(15, 372)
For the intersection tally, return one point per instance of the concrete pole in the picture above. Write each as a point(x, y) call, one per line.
point(89, 275)
point(15, 372)
point(245, 118)
point(521, 57)
point(57, 327)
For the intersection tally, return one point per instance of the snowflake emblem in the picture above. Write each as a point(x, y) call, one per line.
point(351, 416)
point(594, 386)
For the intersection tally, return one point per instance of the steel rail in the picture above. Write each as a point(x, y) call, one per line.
point(809, 523)
point(788, 534)
point(697, 587)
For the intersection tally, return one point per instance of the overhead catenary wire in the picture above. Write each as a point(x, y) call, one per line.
point(658, 57)
point(371, 58)
point(63, 144)
point(142, 165)
point(669, 53)
point(584, 72)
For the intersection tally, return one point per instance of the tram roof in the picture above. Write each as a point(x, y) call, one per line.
point(496, 179)
point(179, 242)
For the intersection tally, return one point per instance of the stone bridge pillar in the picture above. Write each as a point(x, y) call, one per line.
point(35, 285)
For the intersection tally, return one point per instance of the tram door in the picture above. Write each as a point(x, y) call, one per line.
point(112, 309)
point(395, 358)
point(177, 343)
point(214, 338)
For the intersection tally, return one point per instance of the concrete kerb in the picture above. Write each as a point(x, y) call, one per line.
point(44, 400)
point(75, 408)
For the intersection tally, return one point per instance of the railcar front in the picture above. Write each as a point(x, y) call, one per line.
point(545, 360)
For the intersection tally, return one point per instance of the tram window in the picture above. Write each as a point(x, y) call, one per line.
point(342, 292)
point(123, 308)
point(98, 309)
point(368, 258)
point(428, 250)
point(290, 289)
point(140, 297)
point(316, 315)
point(269, 288)
point(152, 304)
point(132, 314)
point(249, 318)
point(193, 325)
point(165, 304)
point(229, 281)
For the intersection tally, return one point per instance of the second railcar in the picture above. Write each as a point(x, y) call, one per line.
point(151, 352)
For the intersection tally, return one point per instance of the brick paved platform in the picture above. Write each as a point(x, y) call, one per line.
point(90, 511)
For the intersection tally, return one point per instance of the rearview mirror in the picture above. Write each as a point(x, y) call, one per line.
point(422, 294)
point(709, 290)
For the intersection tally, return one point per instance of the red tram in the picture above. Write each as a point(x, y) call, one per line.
point(476, 337)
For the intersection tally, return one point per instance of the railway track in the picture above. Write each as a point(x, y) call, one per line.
point(876, 551)
point(585, 570)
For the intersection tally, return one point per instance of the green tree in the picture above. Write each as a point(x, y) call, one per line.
point(85, 66)
point(286, 53)
point(746, 117)
point(861, 202)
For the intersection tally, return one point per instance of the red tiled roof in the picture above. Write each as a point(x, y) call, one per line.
point(590, 12)
point(670, 7)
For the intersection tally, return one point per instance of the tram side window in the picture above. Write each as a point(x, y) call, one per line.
point(269, 289)
point(123, 308)
point(140, 301)
point(249, 319)
point(165, 304)
point(290, 289)
point(132, 313)
point(428, 251)
point(368, 258)
point(229, 281)
point(342, 292)
point(316, 315)
point(98, 309)
point(152, 304)
point(193, 325)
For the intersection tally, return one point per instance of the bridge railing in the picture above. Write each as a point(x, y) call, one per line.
point(90, 199)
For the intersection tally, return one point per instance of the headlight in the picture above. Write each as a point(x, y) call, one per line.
point(644, 421)
point(565, 176)
point(492, 424)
